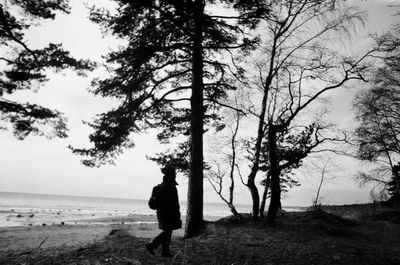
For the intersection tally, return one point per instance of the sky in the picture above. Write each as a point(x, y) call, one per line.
point(41, 165)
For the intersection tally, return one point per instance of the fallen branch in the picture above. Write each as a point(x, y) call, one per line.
point(42, 243)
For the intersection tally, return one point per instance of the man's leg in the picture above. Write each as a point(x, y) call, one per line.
point(164, 239)
point(166, 243)
point(155, 243)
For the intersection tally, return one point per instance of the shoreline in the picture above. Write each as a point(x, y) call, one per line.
point(19, 219)
point(312, 237)
point(79, 233)
point(83, 232)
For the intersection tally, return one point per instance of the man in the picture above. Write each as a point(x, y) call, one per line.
point(165, 199)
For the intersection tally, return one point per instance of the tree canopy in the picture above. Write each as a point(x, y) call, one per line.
point(378, 132)
point(299, 60)
point(152, 75)
point(24, 68)
point(170, 75)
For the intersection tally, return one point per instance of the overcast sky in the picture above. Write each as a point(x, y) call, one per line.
point(40, 165)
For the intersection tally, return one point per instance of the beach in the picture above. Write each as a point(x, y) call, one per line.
point(40, 221)
point(25, 238)
point(70, 230)
point(311, 237)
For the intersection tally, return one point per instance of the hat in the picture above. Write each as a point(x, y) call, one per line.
point(169, 173)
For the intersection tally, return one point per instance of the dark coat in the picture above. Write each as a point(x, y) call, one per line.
point(168, 214)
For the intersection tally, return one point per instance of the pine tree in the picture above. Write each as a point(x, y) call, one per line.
point(170, 76)
point(24, 68)
point(394, 186)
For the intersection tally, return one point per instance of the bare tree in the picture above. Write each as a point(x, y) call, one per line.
point(327, 170)
point(216, 174)
point(378, 132)
point(298, 63)
point(216, 178)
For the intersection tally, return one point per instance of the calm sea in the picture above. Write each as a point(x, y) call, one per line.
point(33, 209)
point(56, 208)
point(27, 201)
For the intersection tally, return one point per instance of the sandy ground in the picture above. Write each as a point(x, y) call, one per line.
point(27, 238)
point(314, 237)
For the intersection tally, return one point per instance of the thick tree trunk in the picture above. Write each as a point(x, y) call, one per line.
point(264, 196)
point(275, 202)
point(194, 220)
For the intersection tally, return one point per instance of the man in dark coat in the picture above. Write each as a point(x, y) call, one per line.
point(168, 214)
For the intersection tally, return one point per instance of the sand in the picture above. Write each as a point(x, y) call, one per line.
point(19, 239)
point(314, 237)
point(75, 233)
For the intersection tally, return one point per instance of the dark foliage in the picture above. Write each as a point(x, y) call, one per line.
point(378, 132)
point(292, 148)
point(152, 75)
point(170, 72)
point(25, 68)
point(178, 157)
point(393, 186)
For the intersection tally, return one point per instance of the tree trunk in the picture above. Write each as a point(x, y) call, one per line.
point(257, 151)
point(194, 219)
point(254, 196)
point(264, 196)
point(275, 202)
point(233, 162)
point(319, 187)
point(233, 210)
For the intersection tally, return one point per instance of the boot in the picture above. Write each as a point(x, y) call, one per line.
point(150, 249)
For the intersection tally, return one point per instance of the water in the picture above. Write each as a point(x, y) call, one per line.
point(18, 209)
point(24, 201)
point(24, 209)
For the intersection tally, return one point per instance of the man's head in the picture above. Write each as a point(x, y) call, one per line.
point(169, 173)
point(168, 170)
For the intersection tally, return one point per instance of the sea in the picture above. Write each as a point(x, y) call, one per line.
point(25, 209)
